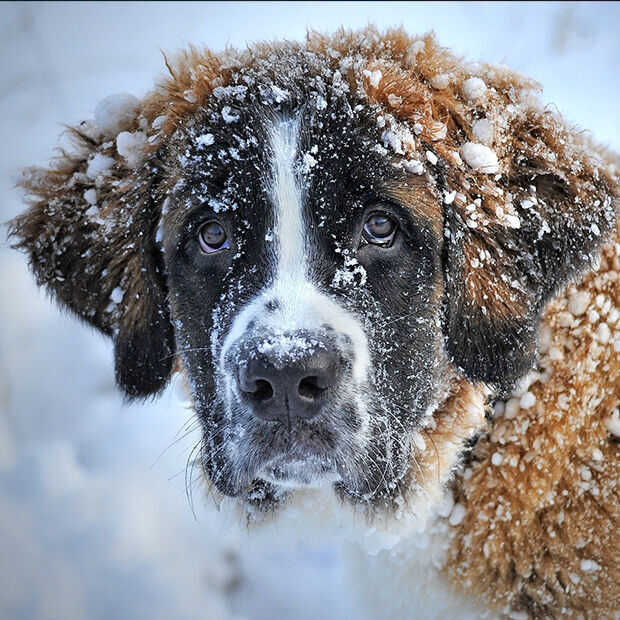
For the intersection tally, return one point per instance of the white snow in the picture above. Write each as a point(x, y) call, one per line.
point(483, 131)
point(98, 165)
point(612, 423)
point(374, 77)
point(441, 81)
point(414, 165)
point(457, 515)
point(229, 115)
point(578, 302)
point(90, 196)
point(116, 113)
point(479, 157)
point(131, 147)
point(587, 566)
point(205, 139)
point(474, 88)
point(431, 157)
point(528, 400)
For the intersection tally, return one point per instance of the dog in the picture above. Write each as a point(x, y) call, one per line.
point(386, 274)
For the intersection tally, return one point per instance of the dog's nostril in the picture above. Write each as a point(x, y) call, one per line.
point(263, 391)
point(310, 388)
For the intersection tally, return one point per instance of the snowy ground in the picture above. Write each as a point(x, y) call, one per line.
point(94, 521)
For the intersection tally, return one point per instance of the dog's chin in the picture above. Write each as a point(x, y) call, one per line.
point(294, 473)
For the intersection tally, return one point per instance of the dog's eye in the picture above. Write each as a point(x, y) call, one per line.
point(212, 237)
point(380, 229)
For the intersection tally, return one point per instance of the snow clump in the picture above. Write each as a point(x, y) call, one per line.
point(612, 423)
point(90, 196)
point(98, 165)
point(483, 131)
point(116, 113)
point(441, 81)
point(480, 157)
point(474, 88)
point(131, 147)
point(374, 77)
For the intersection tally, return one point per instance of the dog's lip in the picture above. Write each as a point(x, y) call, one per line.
point(300, 470)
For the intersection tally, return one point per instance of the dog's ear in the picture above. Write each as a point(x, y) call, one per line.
point(512, 240)
point(90, 236)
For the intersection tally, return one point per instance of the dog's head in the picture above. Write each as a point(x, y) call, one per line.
point(344, 245)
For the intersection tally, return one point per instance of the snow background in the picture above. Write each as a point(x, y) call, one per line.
point(94, 521)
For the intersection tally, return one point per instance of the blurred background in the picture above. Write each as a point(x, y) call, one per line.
point(94, 519)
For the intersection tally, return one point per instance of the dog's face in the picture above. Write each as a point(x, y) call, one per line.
point(306, 289)
point(297, 228)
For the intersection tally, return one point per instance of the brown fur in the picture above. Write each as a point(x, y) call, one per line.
point(559, 514)
point(554, 500)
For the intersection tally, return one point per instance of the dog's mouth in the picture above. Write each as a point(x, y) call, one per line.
point(301, 456)
point(291, 471)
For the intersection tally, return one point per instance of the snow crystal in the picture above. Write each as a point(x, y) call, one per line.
point(394, 100)
point(449, 197)
point(597, 455)
point(612, 423)
point(596, 230)
point(308, 162)
point(497, 459)
point(229, 115)
point(578, 303)
point(432, 158)
point(414, 165)
point(445, 506)
point(512, 408)
point(237, 92)
point(528, 400)
point(414, 49)
point(353, 272)
point(399, 139)
point(457, 515)
point(98, 165)
point(159, 122)
point(483, 131)
point(603, 333)
point(206, 139)
point(588, 566)
point(90, 196)
point(131, 147)
point(116, 113)
point(117, 295)
point(474, 88)
point(374, 77)
point(320, 103)
point(480, 157)
point(441, 81)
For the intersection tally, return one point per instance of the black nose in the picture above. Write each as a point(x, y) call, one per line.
point(282, 385)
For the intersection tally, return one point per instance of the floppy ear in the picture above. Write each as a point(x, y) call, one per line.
point(512, 241)
point(90, 236)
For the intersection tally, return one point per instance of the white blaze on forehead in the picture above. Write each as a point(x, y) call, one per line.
point(300, 304)
point(287, 197)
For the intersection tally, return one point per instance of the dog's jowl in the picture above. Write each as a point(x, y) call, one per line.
point(386, 275)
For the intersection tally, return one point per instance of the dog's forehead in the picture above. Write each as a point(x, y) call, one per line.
point(225, 159)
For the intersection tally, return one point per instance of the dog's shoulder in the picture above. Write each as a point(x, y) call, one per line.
point(540, 531)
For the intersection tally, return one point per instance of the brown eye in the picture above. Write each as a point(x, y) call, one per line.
point(212, 237)
point(380, 229)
